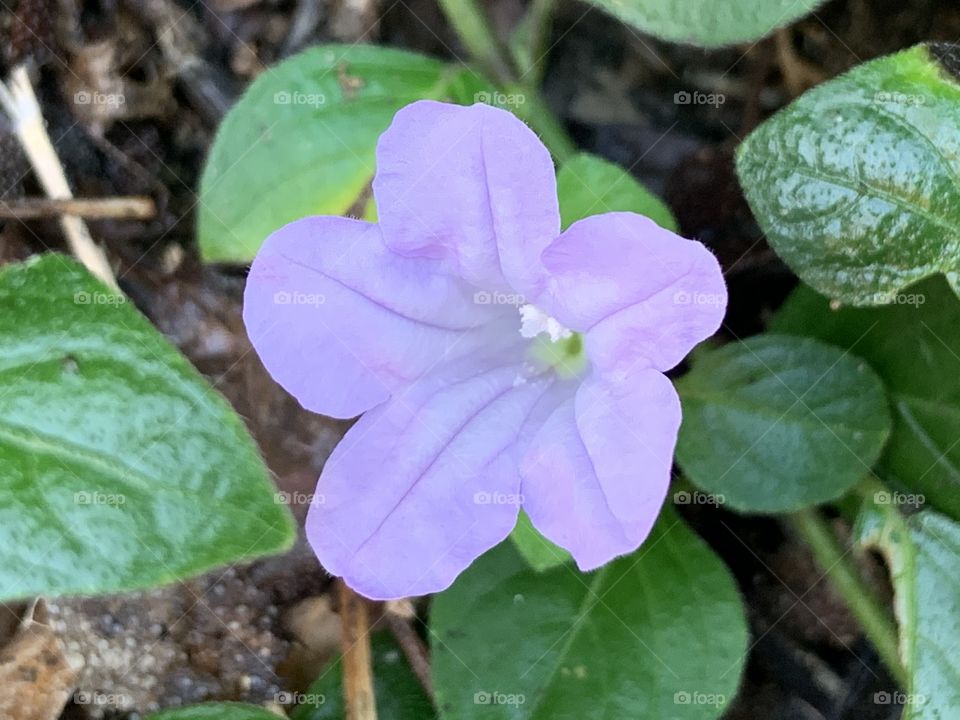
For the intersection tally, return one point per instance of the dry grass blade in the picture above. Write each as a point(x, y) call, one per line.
point(20, 103)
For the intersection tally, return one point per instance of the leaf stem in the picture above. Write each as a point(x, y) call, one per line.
point(868, 488)
point(873, 618)
point(398, 615)
point(530, 55)
point(535, 112)
point(472, 26)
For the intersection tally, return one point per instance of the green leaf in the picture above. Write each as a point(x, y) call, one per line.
point(301, 140)
point(914, 345)
point(215, 711)
point(120, 467)
point(656, 634)
point(923, 554)
point(588, 185)
point(398, 693)
point(540, 553)
point(856, 182)
point(777, 423)
point(708, 23)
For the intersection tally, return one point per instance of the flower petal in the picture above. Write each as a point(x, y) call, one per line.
point(643, 295)
point(596, 474)
point(421, 486)
point(471, 184)
point(342, 322)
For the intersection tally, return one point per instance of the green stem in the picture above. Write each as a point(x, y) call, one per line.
point(873, 618)
point(472, 26)
point(868, 487)
point(534, 111)
point(540, 19)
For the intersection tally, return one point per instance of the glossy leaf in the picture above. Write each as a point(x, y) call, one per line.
point(709, 23)
point(658, 634)
point(301, 140)
point(120, 467)
point(776, 423)
point(398, 693)
point(914, 345)
point(855, 184)
point(215, 711)
point(923, 554)
point(589, 185)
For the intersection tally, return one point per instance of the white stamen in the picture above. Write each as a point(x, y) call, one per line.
point(535, 321)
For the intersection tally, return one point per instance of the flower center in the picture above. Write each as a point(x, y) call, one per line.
point(554, 345)
point(535, 321)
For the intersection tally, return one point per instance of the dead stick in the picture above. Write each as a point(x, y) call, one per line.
point(116, 208)
point(20, 102)
point(412, 646)
point(357, 666)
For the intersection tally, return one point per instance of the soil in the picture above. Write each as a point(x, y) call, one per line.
point(231, 635)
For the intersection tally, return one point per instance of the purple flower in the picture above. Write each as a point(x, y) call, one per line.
point(496, 361)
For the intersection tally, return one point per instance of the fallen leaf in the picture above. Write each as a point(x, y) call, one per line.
point(35, 678)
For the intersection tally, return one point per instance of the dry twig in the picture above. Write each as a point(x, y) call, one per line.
point(357, 667)
point(114, 208)
point(397, 615)
point(20, 102)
